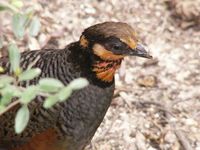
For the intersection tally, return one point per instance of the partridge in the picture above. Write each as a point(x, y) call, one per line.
point(70, 125)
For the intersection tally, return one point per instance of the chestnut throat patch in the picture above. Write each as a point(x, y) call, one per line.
point(105, 70)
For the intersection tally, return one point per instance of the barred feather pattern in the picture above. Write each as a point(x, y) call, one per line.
point(75, 120)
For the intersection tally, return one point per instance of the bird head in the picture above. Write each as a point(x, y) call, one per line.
point(111, 42)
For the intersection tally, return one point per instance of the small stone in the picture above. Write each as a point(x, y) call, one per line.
point(151, 148)
point(147, 81)
point(170, 137)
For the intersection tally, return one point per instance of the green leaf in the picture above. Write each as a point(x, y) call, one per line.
point(14, 57)
point(7, 94)
point(4, 80)
point(65, 93)
point(3, 7)
point(10, 90)
point(21, 119)
point(35, 26)
point(29, 74)
point(50, 84)
point(18, 24)
point(29, 12)
point(8, 6)
point(17, 92)
point(29, 94)
point(6, 99)
point(78, 83)
point(50, 101)
point(17, 3)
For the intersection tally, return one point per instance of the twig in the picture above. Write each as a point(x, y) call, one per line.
point(16, 102)
point(168, 111)
point(11, 105)
point(10, 6)
point(159, 106)
point(179, 134)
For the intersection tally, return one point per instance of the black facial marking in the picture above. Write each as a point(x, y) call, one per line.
point(114, 45)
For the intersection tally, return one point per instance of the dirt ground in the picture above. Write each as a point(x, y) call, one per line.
point(157, 102)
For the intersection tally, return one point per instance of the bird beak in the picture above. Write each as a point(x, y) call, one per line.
point(140, 51)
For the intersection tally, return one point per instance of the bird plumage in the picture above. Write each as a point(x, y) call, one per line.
point(71, 125)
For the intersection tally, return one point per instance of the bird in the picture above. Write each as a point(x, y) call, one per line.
point(70, 125)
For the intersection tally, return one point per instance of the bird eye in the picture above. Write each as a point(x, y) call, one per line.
point(116, 47)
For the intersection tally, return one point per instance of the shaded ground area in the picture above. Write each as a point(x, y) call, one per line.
point(157, 102)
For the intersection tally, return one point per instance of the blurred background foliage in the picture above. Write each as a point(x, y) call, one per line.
point(23, 18)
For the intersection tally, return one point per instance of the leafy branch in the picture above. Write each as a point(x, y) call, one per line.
point(52, 89)
point(11, 93)
point(22, 18)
